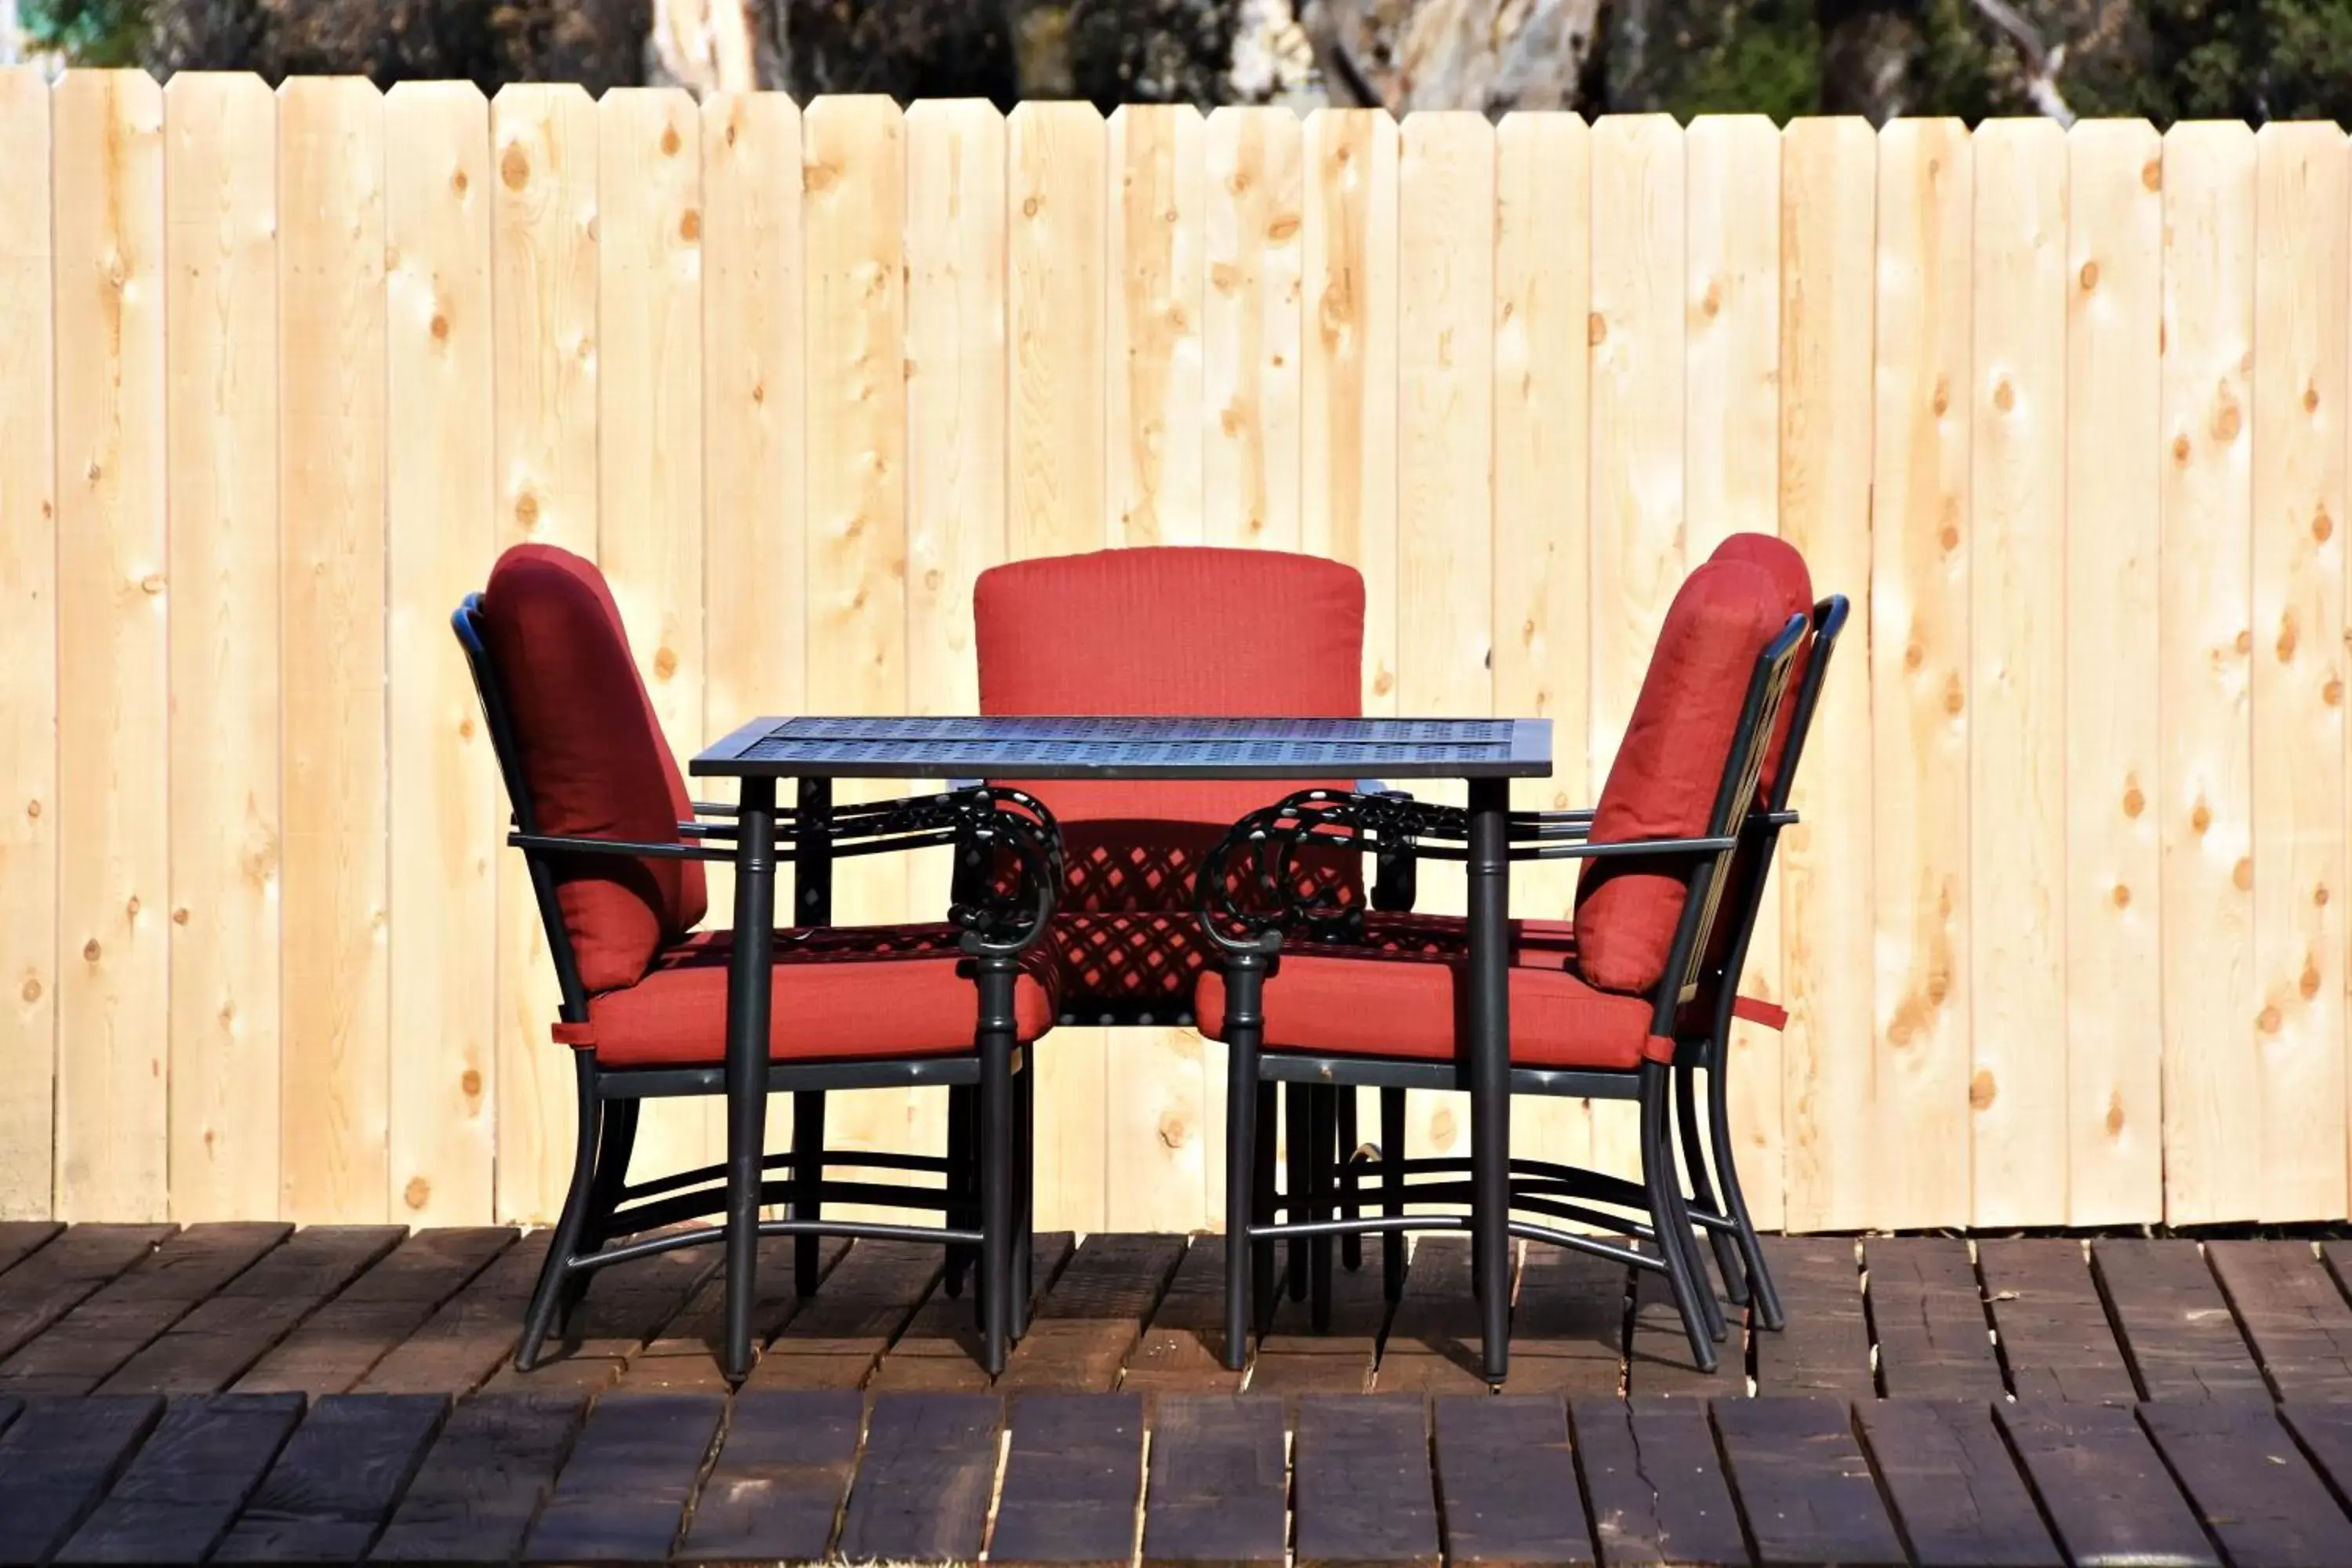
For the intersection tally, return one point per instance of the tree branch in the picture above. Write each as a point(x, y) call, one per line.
point(2042, 63)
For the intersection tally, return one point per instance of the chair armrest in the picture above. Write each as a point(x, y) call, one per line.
point(553, 844)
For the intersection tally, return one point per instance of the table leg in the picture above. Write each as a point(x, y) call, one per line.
point(750, 976)
point(1490, 1066)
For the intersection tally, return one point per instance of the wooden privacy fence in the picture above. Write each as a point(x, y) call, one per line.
point(2063, 412)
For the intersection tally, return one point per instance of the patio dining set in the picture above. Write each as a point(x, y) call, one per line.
point(1170, 811)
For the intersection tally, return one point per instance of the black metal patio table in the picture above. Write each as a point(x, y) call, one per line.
point(1485, 753)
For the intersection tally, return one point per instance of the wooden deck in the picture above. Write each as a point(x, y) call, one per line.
point(248, 1393)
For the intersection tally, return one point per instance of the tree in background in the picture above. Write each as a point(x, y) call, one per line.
point(2166, 59)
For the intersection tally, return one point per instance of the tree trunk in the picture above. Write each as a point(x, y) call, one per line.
point(1489, 54)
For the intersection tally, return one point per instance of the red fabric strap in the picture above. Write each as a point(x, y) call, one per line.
point(579, 1037)
point(1756, 1010)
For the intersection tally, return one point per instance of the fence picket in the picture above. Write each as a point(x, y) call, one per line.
point(2213, 1081)
point(29, 663)
point(449, 811)
point(333, 1111)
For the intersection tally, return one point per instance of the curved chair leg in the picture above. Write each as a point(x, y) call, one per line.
point(1323, 1143)
point(554, 1274)
point(808, 1171)
point(1659, 1178)
point(1728, 1262)
point(1710, 1311)
point(616, 1141)
point(1763, 1296)
point(1351, 1246)
point(1298, 1118)
point(1392, 1190)
point(960, 1175)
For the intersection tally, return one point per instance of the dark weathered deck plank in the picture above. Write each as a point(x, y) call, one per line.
point(623, 1309)
point(2290, 1306)
point(484, 1480)
point(465, 1340)
point(189, 1481)
point(1073, 1479)
point(835, 1340)
point(2176, 1327)
point(622, 1497)
point(683, 1356)
point(939, 1350)
point(1182, 1347)
point(211, 1347)
point(1093, 1316)
point(52, 1281)
point(1507, 1481)
point(1293, 1360)
point(2250, 1484)
point(337, 1479)
point(1956, 1490)
point(334, 1348)
point(1825, 1349)
point(20, 1238)
point(1568, 1324)
point(783, 1468)
point(1655, 1483)
point(1927, 1318)
point(922, 1490)
point(2054, 1334)
point(2107, 1490)
point(87, 1345)
point(1361, 1483)
point(1804, 1485)
point(1433, 1345)
point(1219, 1484)
point(1658, 1354)
point(57, 1460)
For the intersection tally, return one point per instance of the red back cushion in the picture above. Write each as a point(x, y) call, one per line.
point(592, 758)
point(1174, 631)
point(1669, 768)
point(1795, 581)
point(1787, 568)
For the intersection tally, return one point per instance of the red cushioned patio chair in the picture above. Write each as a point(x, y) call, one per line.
point(1176, 631)
point(615, 849)
point(1703, 1027)
point(1599, 1012)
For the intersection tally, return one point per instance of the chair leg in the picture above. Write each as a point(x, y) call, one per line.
point(1024, 1193)
point(961, 1173)
point(996, 1228)
point(1351, 1246)
point(1659, 1178)
point(1763, 1296)
point(1247, 1281)
point(808, 1174)
point(1392, 1190)
point(616, 1140)
point(1323, 1141)
point(555, 1273)
point(1299, 1130)
point(1728, 1262)
point(1263, 1256)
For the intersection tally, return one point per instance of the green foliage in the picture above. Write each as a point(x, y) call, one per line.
point(89, 32)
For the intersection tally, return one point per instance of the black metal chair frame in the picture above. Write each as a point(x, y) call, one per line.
point(985, 1193)
point(1710, 1163)
point(1324, 1199)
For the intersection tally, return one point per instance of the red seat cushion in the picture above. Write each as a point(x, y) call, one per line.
point(1366, 1002)
point(1669, 768)
point(592, 758)
point(841, 994)
point(1174, 631)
